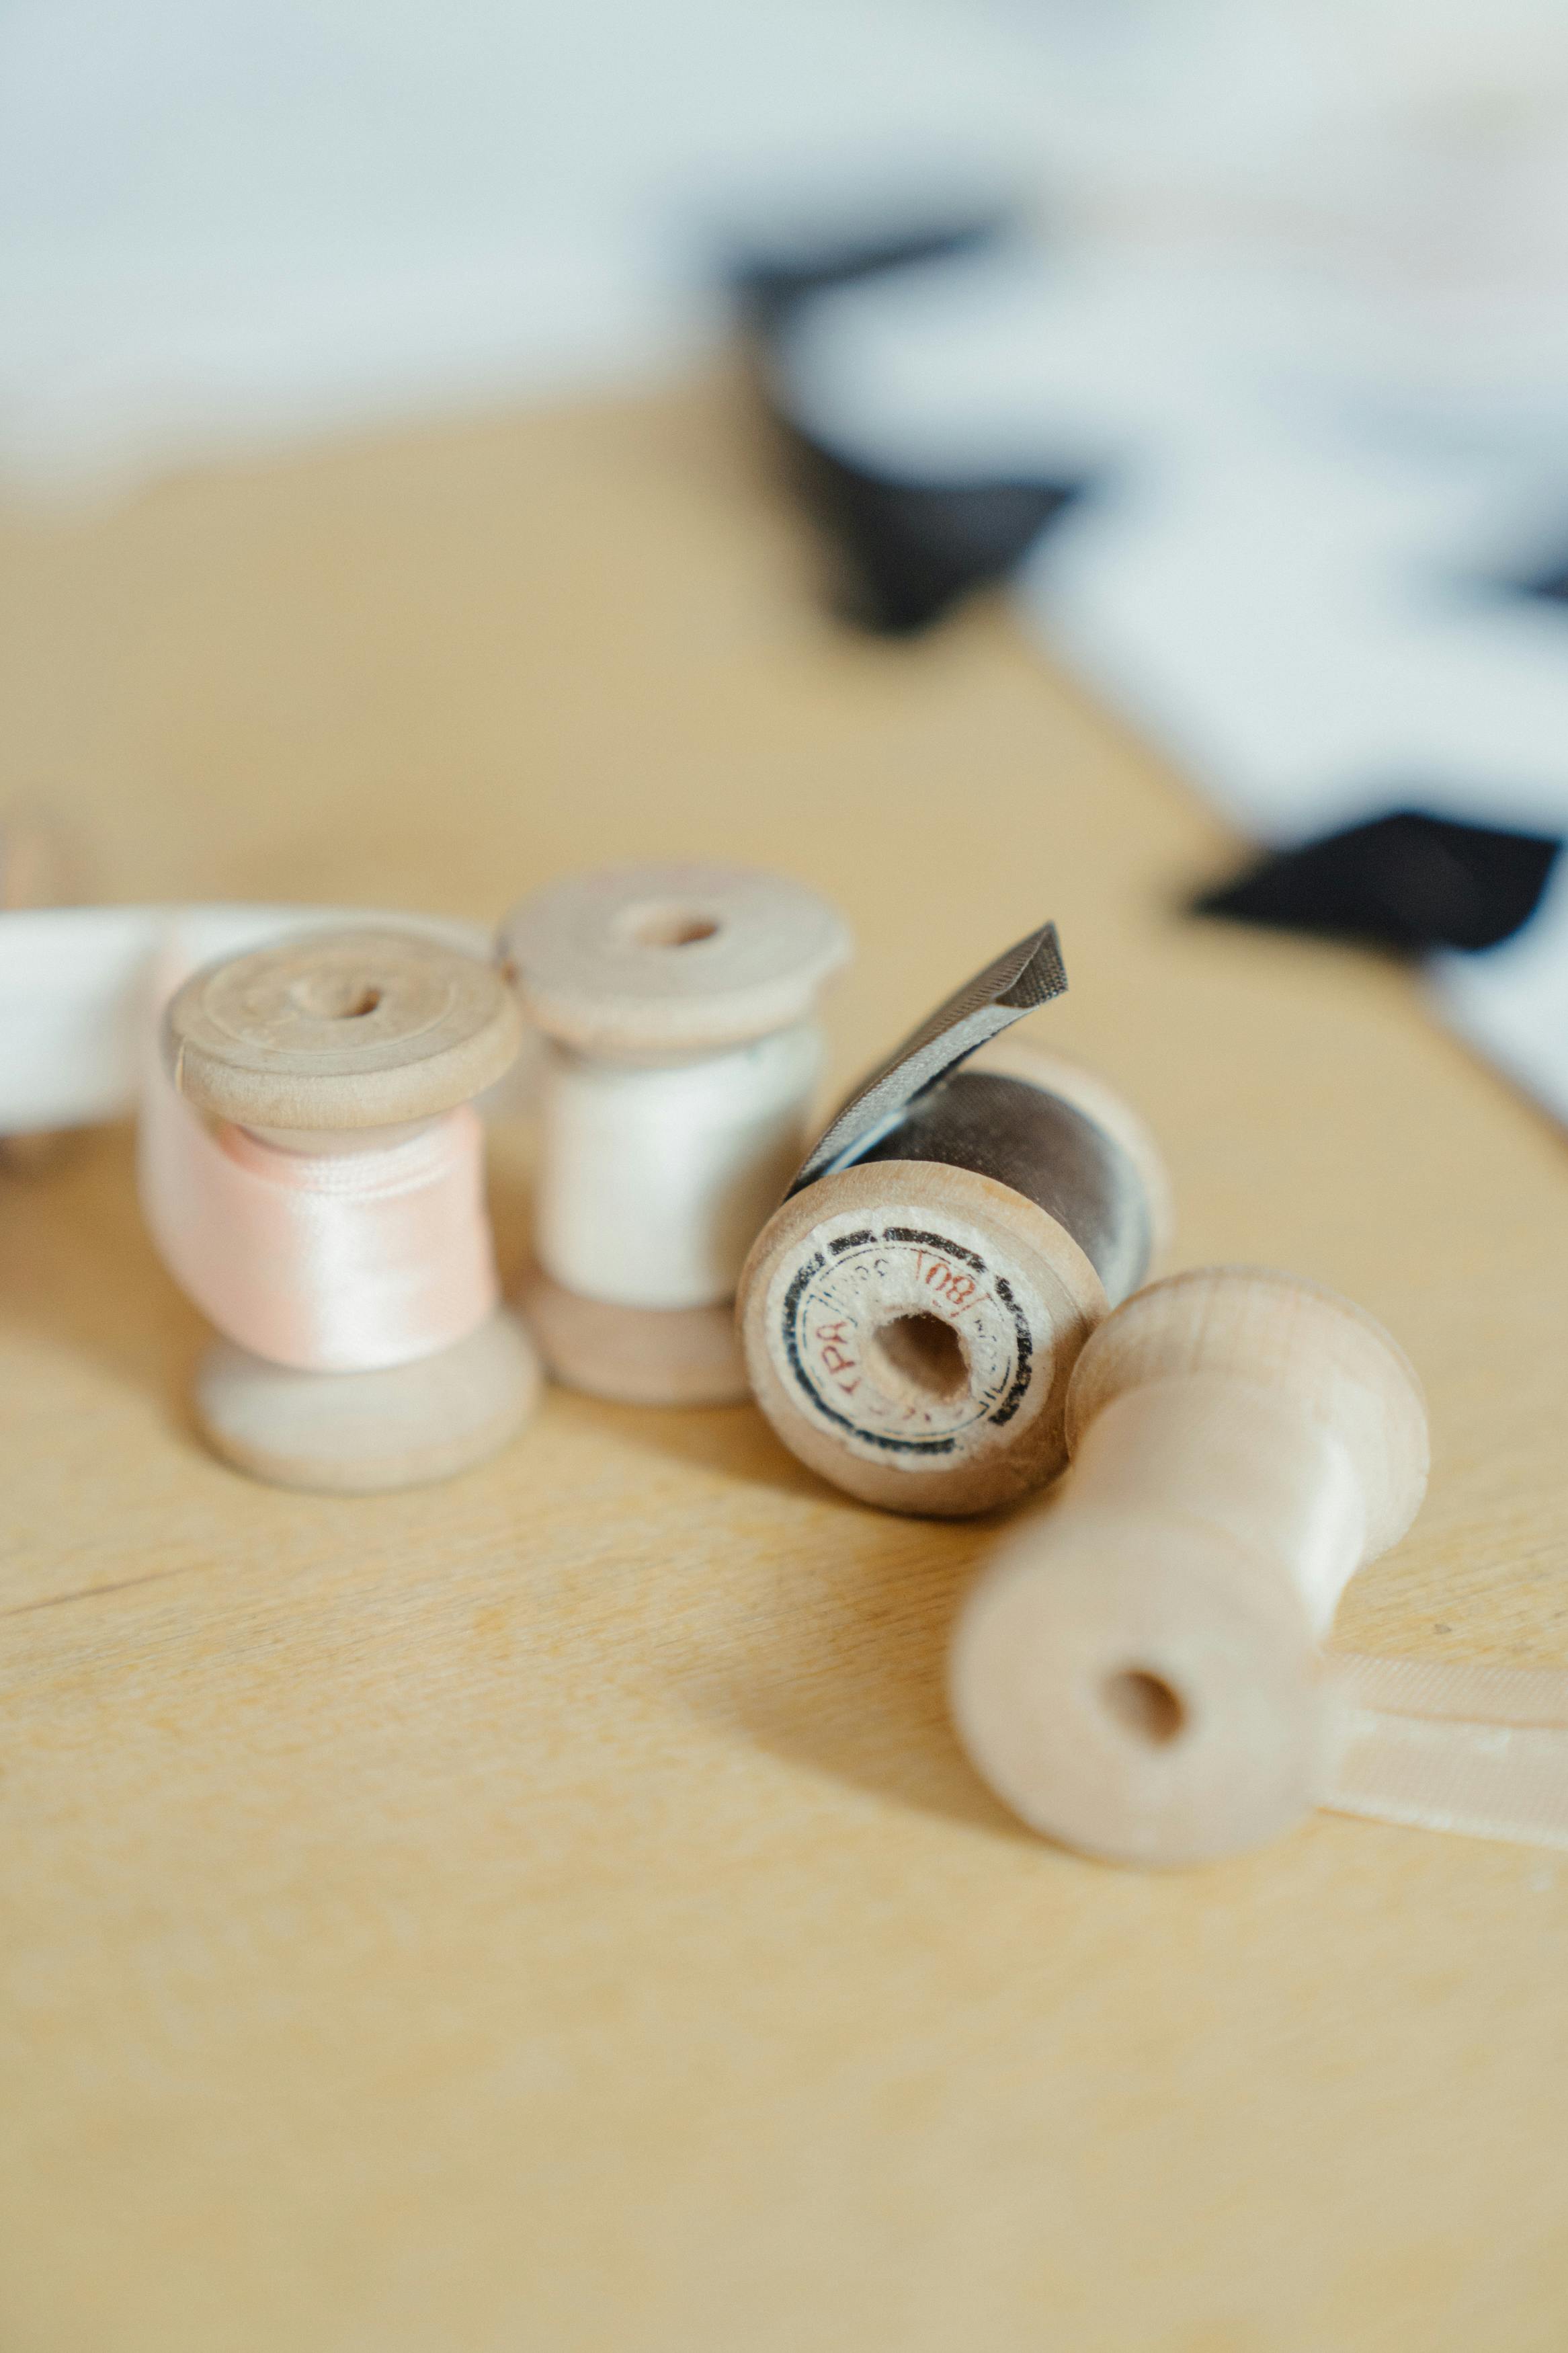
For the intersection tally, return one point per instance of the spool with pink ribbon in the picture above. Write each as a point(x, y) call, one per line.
point(312, 1171)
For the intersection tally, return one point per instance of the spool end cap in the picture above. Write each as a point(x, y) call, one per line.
point(655, 962)
point(341, 1030)
point(1143, 1694)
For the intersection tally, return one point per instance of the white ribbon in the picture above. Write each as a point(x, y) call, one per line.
point(74, 985)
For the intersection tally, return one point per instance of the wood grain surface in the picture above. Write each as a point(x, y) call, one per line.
point(550, 1910)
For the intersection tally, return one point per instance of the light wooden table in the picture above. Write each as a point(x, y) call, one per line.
point(550, 1910)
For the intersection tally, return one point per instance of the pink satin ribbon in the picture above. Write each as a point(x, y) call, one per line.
point(346, 1263)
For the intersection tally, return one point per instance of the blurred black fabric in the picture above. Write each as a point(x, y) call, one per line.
point(768, 287)
point(1553, 584)
point(1406, 881)
point(905, 550)
point(906, 553)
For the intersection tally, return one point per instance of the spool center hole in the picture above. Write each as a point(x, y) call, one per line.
point(925, 1353)
point(335, 995)
point(667, 927)
point(1145, 1705)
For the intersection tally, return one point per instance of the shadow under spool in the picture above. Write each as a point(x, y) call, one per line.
point(910, 1321)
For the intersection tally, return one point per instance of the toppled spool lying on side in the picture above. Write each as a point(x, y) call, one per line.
point(912, 1313)
point(1139, 1670)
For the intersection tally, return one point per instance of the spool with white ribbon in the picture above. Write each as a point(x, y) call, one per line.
point(1141, 1673)
point(682, 1056)
point(311, 1172)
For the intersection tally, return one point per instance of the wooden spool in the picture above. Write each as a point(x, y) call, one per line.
point(328, 1044)
point(637, 970)
point(911, 1322)
point(1138, 1672)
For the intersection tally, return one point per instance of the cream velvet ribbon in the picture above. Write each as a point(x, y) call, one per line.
point(653, 1181)
point(1474, 1749)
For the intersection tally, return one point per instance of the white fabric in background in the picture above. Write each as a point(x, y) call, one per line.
point(224, 223)
point(1300, 302)
point(1302, 311)
point(1512, 1002)
point(1302, 602)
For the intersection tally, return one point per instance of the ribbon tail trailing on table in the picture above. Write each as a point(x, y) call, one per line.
point(1479, 1749)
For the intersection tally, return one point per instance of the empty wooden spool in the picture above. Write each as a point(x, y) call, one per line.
point(1138, 1673)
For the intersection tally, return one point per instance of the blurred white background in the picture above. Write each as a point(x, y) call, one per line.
point(1291, 286)
point(225, 221)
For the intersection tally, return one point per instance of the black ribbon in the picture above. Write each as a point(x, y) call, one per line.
point(1552, 584)
point(1024, 976)
point(908, 550)
point(905, 550)
point(1407, 881)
